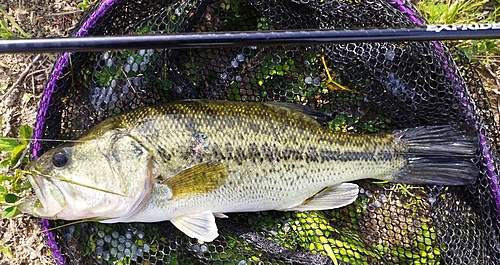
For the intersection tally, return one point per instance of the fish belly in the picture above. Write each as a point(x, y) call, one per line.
point(260, 187)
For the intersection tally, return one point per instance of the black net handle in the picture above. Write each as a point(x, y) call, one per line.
point(225, 39)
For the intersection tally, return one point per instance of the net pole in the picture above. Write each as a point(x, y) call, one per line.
point(255, 38)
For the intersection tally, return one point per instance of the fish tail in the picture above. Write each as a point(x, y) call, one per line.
point(438, 155)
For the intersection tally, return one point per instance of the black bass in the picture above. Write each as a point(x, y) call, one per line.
point(192, 160)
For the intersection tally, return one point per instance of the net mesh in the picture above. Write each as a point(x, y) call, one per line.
point(376, 87)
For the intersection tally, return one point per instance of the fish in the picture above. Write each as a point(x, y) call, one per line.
point(191, 161)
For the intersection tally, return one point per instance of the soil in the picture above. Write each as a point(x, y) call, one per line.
point(21, 84)
point(490, 75)
point(18, 105)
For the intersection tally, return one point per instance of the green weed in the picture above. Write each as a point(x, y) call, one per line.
point(13, 184)
point(85, 5)
point(5, 30)
point(464, 12)
point(6, 251)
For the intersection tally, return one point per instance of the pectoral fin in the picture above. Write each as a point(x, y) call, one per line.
point(334, 197)
point(200, 226)
point(198, 179)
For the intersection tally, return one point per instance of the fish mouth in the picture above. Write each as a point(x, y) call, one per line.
point(49, 199)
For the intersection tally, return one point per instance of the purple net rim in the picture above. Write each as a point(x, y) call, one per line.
point(106, 5)
point(62, 61)
point(484, 145)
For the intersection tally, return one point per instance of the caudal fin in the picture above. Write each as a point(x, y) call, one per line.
point(438, 155)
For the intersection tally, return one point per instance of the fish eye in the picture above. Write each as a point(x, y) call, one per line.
point(60, 159)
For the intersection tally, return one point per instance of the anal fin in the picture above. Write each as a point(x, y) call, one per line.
point(220, 215)
point(335, 197)
point(200, 225)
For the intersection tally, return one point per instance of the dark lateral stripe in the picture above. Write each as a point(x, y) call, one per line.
point(267, 152)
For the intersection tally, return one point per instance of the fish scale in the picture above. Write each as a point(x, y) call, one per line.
point(204, 158)
point(278, 142)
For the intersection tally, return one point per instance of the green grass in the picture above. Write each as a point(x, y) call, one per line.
point(7, 24)
point(465, 12)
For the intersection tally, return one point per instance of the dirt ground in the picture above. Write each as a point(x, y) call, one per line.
point(22, 79)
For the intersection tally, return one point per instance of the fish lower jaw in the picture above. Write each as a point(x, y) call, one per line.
point(32, 205)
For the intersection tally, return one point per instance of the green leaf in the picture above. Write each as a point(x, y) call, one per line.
point(10, 198)
point(5, 178)
point(25, 133)
point(16, 154)
point(8, 144)
point(7, 251)
point(21, 185)
point(9, 36)
point(10, 212)
point(25, 185)
point(85, 5)
point(4, 24)
point(5, 163)
point(3, 190)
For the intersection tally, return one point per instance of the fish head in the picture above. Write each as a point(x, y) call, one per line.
point(109, 176)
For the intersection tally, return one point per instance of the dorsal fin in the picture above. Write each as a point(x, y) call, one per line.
point(306, 110)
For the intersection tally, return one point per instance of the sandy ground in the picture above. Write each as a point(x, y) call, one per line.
point(21, 84)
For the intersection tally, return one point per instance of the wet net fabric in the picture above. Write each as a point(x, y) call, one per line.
point(376, 87)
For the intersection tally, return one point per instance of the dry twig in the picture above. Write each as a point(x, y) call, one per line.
point(493, 75)
point(21, 77)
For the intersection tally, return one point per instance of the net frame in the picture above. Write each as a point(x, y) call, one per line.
point(103, 11)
